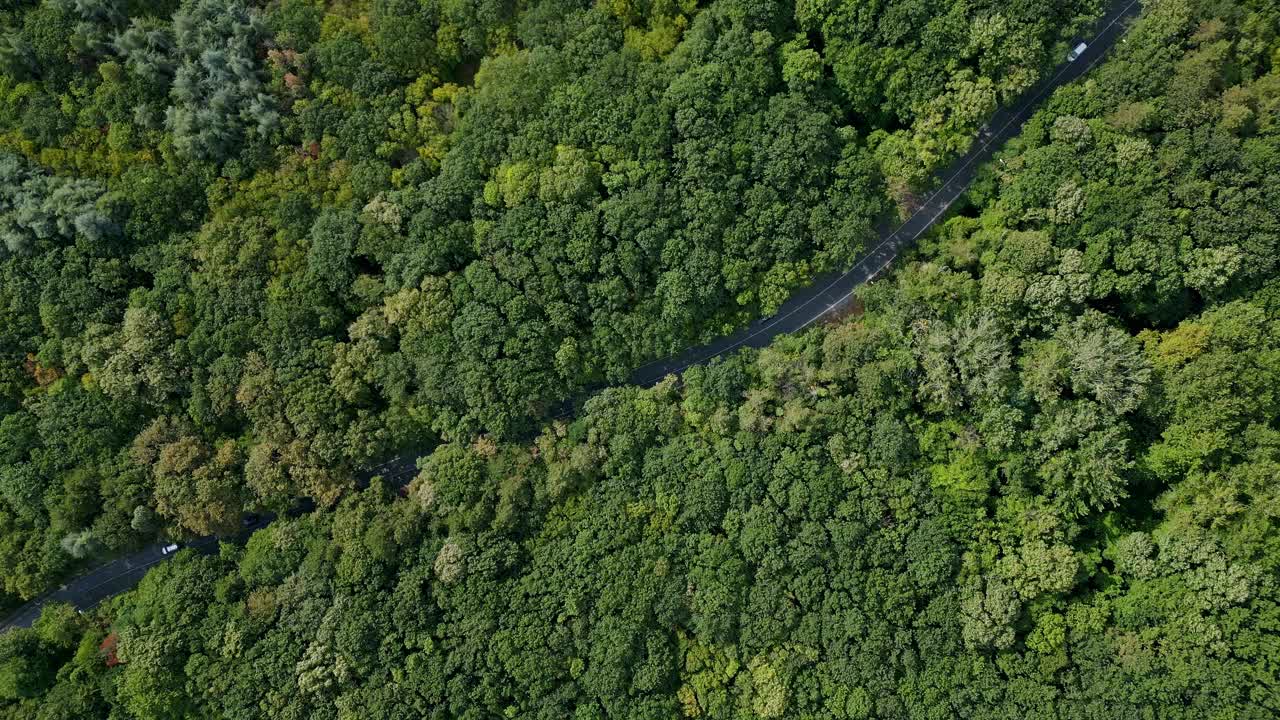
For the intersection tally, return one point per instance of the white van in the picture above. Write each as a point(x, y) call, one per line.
point(169, 549)
point(1077, 51)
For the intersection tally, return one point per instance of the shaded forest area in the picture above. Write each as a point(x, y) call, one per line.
point(1033, 478)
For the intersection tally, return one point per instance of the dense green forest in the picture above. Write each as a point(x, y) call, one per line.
point(1033, 474)
point(247, 249)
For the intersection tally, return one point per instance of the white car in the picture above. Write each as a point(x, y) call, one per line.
point(1077, 51)
point(169, 549)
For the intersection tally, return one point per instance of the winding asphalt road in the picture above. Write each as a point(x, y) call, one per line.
point(829, 294)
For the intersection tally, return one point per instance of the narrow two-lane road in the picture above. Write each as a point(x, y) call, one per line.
point(102, 582)
point(827, 295)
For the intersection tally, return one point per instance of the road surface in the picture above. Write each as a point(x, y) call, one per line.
point(104, 581)
point(827, 295)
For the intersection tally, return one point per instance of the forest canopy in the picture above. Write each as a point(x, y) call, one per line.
point(1031, 474)
point(248, 248)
